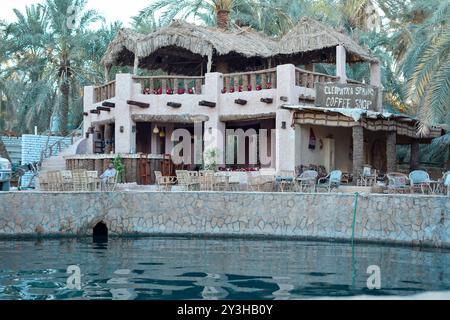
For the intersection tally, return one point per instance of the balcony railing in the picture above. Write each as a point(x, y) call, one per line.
point(351, 81)
point(105, 92)
point(307, 79)
point(170, 84)
point(249, 81)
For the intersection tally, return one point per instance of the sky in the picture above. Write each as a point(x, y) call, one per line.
point(112, 10)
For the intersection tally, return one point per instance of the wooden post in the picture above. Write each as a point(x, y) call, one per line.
point(358, 150)
point(136, 65)
point(414, 161)
point(391, 151)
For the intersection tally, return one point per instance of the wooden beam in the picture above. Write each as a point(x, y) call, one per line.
point(174, 105)
point(104, 109)
point(207, 104)
point(85, 114)
point(284, 99)
point(240, 102)
point(109, 104)
point(267, 100)
point(139, 104)
point(95, 111)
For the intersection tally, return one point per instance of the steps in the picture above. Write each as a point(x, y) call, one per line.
point(58, 163)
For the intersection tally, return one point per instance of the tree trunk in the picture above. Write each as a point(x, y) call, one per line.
point(3, 152)
point(65, 88)
point(223, 19)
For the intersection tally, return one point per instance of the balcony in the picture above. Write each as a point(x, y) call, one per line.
point(255, 92)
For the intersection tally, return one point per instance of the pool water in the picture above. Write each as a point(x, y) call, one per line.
point(184, 268)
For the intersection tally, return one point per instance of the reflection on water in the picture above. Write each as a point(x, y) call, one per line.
point(178, 268)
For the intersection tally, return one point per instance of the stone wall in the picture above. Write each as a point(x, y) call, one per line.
point(32, 147)
point(404, 219)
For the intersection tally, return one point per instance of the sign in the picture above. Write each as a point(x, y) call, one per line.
point(348, 96)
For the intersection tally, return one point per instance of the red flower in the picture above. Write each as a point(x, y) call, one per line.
point(224, 90)
point(231, 90)
point(181, 91)
point(259, 87)
point(240, 89)
point(169, 91)
point(159, 91)
point(250, 88)
point(269, 85)
point(191, 91)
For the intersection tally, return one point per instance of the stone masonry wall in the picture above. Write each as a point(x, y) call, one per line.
point(380, 218)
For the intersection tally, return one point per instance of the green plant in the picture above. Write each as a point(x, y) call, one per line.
point(119, 166)
point(210, 159)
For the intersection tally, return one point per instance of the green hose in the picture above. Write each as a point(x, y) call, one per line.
point(354, 263)
point(354, 217)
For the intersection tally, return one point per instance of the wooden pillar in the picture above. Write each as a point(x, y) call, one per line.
point(414, 160)
point(358, 150)
point(136, 66)
point(391, 151)
point(448, 159)
point(341, 64)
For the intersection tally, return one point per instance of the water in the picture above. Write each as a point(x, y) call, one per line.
point(181, 268)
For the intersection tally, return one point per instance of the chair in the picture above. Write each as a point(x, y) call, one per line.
point(397, 182)
point(307, 181)
point(66, 180)
point(110, 183)
point(206, 180)
point(80, 180)
point(43, 182)
point(445, 183)
point(331, 181)
point(164, 182)
point(285, 180)
point(186, 180)
point(94, 183)
point(367, 177)
point(420, 180)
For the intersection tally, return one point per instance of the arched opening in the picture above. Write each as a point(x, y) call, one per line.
point(100, 232)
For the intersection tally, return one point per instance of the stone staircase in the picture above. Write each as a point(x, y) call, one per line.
point(58, 163)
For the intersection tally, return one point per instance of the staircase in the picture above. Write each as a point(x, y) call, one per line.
point(57, 162)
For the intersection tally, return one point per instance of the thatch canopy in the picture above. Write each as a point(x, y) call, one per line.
point(189, 49)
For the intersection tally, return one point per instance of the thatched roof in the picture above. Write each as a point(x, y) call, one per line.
point(310, 35)
point(200, 41)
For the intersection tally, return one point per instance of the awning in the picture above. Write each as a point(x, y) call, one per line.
point(371, 120)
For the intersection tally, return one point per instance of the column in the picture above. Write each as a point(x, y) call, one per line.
point(124, 136)
point(358, 150)
point(88, 102)
point(391, 151)
point(414, 160)
point(214, 129)
point(375, 80)
point(285, 141)
point(341, 64)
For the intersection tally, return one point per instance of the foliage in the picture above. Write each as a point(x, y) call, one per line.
point(120, 167)
point(211, 159)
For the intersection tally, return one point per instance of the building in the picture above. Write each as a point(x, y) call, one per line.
point(219, 80)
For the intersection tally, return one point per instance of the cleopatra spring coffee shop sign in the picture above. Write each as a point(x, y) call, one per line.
point(335, 95)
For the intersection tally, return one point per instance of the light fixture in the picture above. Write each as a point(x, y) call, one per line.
point(162, 134)
point(156, 130)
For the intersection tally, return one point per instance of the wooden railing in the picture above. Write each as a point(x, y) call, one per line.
point(354, 81)
point(248, 81)
point(105, 92)
point(307, 79)
point(170, 84)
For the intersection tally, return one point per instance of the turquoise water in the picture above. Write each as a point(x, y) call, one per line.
point(182, 268)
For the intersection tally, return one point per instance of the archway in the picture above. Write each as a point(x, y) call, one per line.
point(100, 232)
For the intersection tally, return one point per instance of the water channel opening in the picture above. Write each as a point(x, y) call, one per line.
point(100, 232)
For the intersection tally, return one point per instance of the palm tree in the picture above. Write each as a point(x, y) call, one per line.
point(67, 37)
point(264, 15)
point(427, 68)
